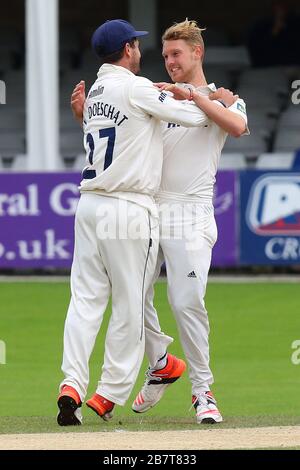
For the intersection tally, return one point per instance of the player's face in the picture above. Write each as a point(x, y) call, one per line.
point(181, 59)
point(135, 59)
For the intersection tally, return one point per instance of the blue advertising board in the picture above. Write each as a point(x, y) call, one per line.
point(37, 219)
point(269, 218)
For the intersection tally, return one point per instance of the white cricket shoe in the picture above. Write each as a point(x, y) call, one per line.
point(206, 408)
point(156, 383)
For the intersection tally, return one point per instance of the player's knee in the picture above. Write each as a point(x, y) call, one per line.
point(188, 305)
point(133, 324)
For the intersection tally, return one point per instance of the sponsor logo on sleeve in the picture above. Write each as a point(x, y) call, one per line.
point(241, 107)
point(162, 97)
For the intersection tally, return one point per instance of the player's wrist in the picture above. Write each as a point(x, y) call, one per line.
point(223, 103)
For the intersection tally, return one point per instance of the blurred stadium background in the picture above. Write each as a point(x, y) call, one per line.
point(44, 52)
point(273, 117)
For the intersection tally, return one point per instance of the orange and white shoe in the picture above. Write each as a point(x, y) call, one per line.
point(206, 408)
point(69, 405)
point(156, 383)
point(101, 406)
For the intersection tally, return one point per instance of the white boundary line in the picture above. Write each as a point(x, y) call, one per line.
point(213, 279)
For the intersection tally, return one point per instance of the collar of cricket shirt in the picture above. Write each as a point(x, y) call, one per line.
point(107, 69)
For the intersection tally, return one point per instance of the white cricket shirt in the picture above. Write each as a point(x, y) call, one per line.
point(191, 156)
point(123, 136)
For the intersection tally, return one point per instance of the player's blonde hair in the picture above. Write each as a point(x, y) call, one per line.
point(187, 30)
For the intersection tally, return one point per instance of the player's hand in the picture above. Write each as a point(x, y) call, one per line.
point(161, 85)
point(179, 93)
point(224, 95)
point(77, 100)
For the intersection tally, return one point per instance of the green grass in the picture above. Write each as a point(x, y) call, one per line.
point(252, 329)
point(126, 422)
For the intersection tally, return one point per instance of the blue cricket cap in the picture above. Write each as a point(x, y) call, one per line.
point(112, 36)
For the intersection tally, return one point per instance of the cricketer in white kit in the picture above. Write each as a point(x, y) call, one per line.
point(123, 141)
point(188, 233)
point(188, 229)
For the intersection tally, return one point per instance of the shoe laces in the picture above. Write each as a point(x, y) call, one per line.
point(203, 399)
point(147, 391)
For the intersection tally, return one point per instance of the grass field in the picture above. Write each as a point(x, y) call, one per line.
point(252, 330)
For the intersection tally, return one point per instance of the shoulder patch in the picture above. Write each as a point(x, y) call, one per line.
point(241, 108)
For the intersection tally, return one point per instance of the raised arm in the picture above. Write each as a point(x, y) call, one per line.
point(151, 100)
point(229, 121)
point(144, 96)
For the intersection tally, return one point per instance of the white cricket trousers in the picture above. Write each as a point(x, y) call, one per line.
point(105, 263)
point(186, 244)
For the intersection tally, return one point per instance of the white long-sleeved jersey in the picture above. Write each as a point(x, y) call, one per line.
point(123, 136)
point(191, 156)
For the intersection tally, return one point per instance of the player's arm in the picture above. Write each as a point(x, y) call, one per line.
point(184, 92)
point(144, 96)
point(231, 122)
point(77, 101)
